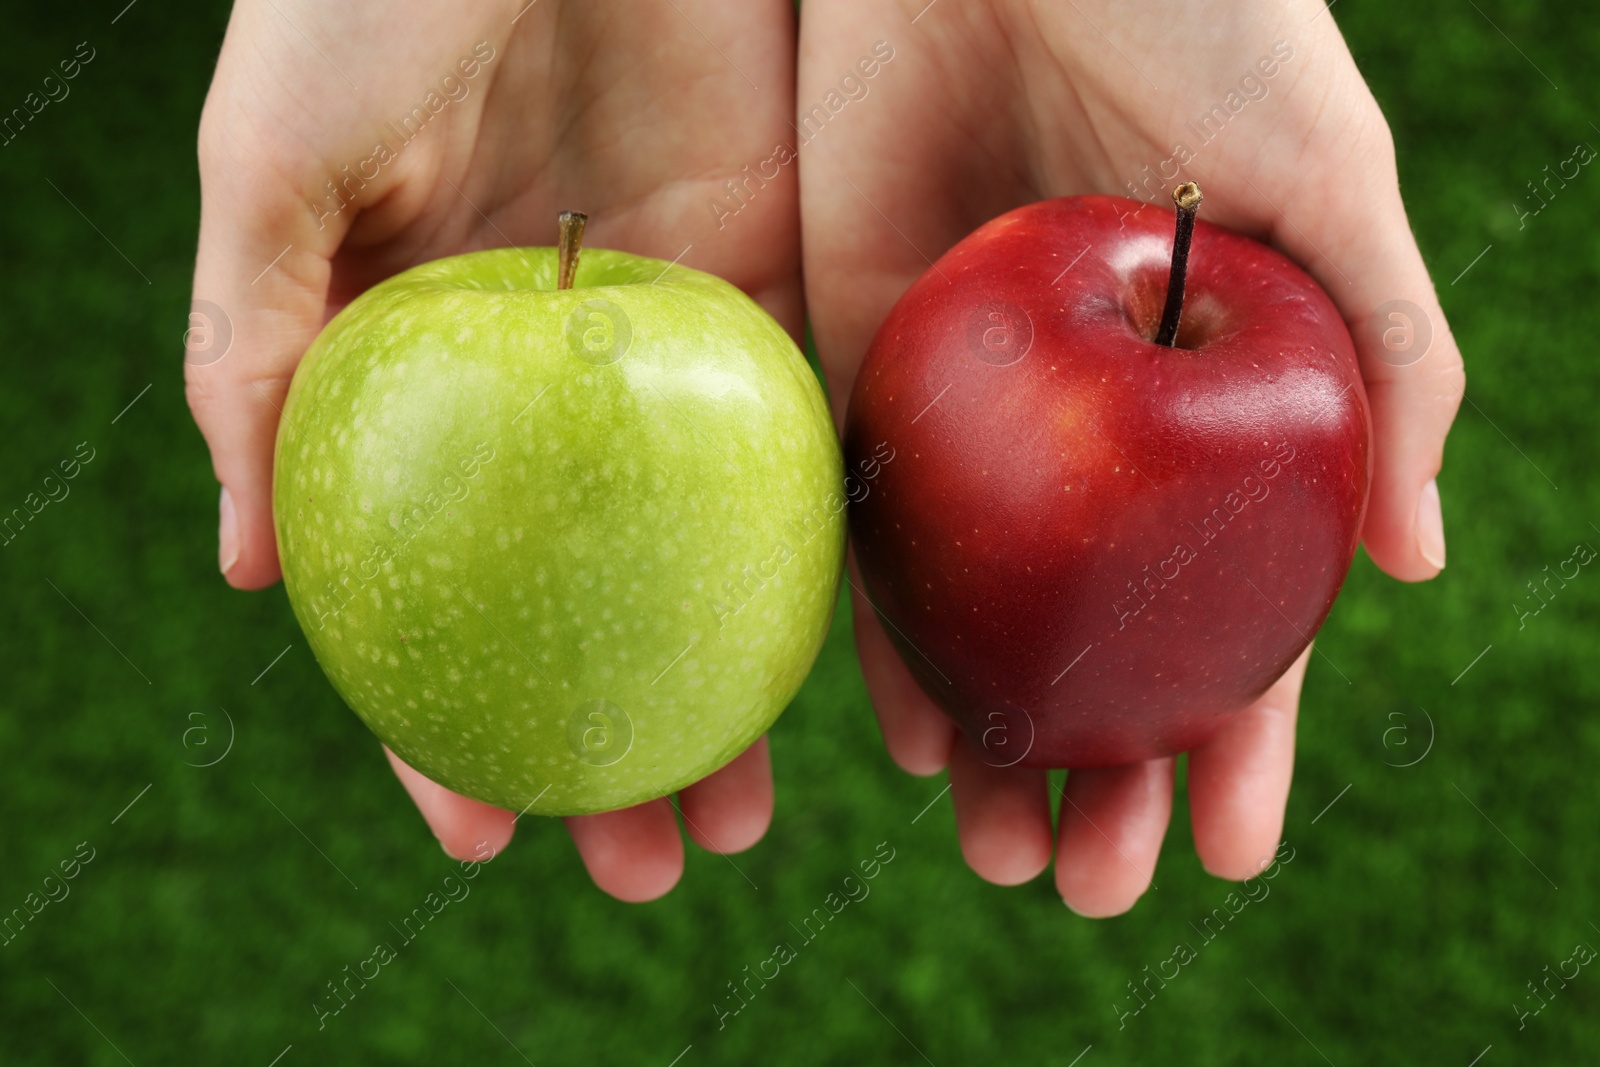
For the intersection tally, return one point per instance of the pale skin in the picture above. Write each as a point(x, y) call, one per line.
point(995, 103)
point(580, 107)
point(632, 114)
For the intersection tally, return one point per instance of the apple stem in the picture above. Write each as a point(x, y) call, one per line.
point(571, 224)
point(1187, 197)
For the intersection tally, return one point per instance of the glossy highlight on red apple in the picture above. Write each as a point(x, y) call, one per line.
point(1093, 548)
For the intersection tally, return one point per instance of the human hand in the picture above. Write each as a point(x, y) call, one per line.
point(990, 105)
point(342, 144)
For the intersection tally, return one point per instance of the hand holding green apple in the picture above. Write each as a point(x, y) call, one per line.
point(576, 102)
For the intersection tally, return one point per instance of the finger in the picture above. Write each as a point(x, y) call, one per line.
point(1357, 242)
point(1113, 820)
point(730, 809)
point(1239, 781)
point(467, 829)
point(260, 293)
point(917, 734)
point(635, 854)
point(1002, 817)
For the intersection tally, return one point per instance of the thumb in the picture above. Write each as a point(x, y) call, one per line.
point(1358, 244)
point(260, 296)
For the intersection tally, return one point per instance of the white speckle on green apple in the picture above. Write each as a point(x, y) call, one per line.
point(515, 521)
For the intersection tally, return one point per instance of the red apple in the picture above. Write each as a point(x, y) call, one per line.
point(1091, 548)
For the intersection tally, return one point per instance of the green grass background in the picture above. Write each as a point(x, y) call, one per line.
point(1403, 931)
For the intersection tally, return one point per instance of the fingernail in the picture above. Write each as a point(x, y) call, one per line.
point(1430, 525)
point(227, 534)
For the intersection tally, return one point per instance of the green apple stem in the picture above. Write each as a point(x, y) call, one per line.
point(571, 224)
point(1187, 197)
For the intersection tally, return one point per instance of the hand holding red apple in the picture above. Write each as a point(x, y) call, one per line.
point(975, 125)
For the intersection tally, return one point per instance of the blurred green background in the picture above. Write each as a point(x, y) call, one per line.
point(1415, 911)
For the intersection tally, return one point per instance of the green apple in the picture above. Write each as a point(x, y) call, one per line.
point(562, 549)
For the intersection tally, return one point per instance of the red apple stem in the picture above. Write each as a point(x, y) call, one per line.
point(1187, 197)
point(570, 224)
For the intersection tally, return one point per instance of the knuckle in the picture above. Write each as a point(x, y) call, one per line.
point(1374, 139)
point(219, 396)
point(1353, 134)
point(200, 390)
point(1452, 378)
point(211, 140)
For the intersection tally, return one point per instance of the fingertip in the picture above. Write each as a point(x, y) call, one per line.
point(1404, 532)
point(248, 561)
point(1239, 782)
point(924, 752)
point(1002, 818)
point(465, 828)
point(474, 841)
point(1113, 820)
point(1088, 902)
point(635, 854)
point(1233, 868)
point(917, 734)
point(730, 809)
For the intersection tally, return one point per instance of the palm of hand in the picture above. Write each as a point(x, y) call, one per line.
point(576, 118)
point(561, 112)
